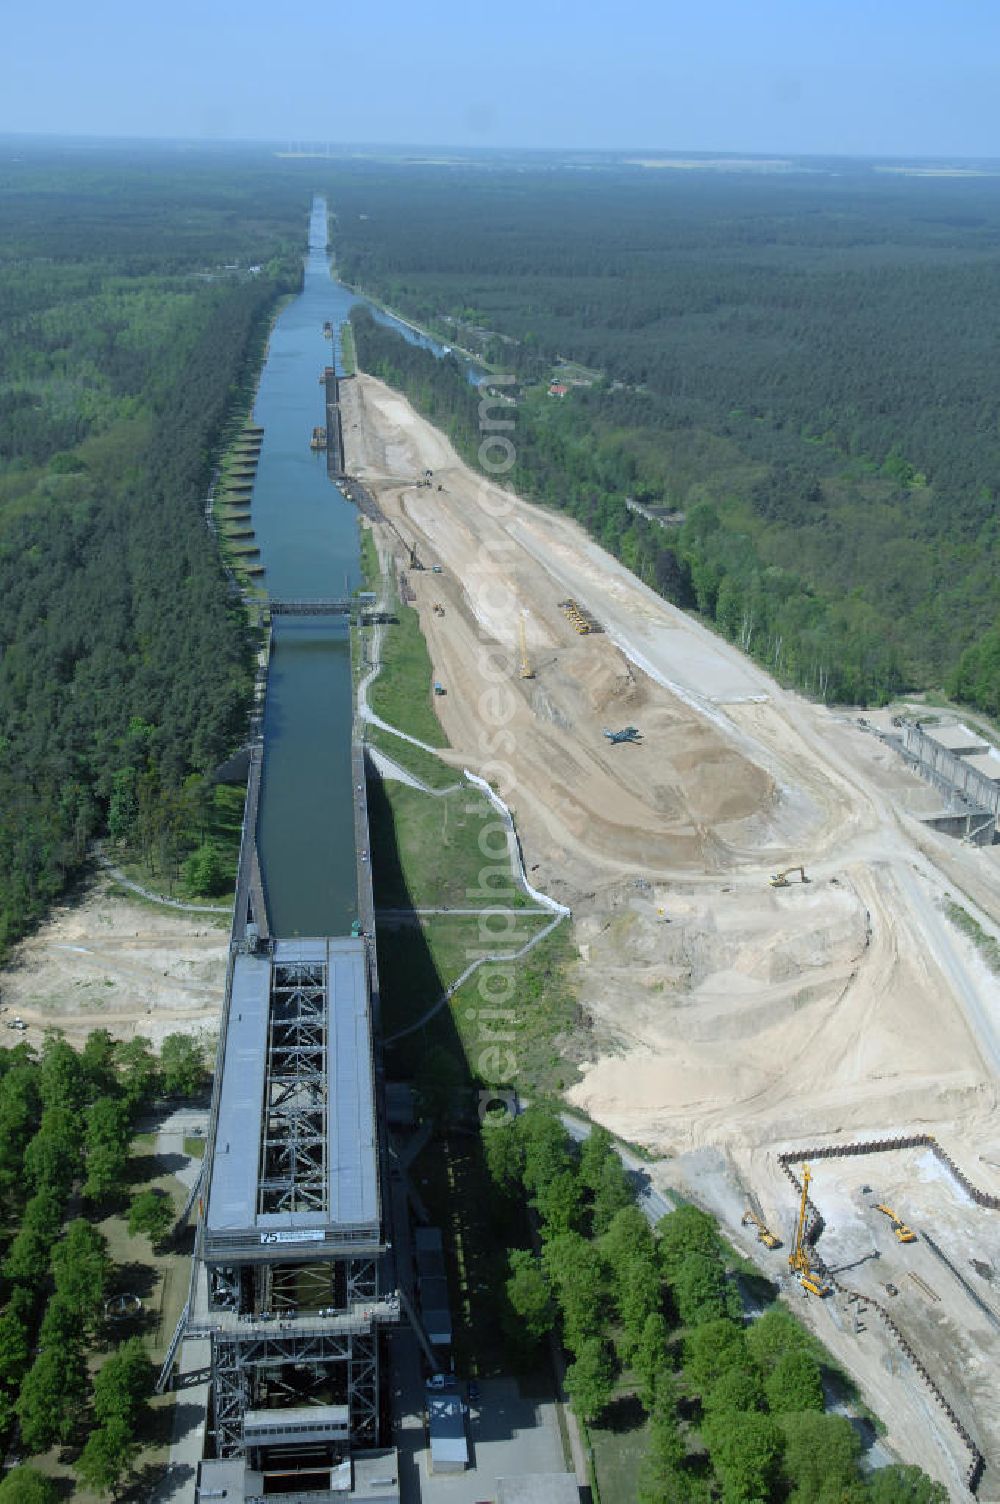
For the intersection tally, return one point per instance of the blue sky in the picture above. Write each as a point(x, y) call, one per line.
point(902, 77)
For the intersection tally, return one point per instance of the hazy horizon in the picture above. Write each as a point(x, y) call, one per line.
point(333, 150)
point(781, 79)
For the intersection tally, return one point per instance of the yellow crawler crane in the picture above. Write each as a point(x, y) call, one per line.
point(903, 1233)
point(798, 1259)
point(527, 672)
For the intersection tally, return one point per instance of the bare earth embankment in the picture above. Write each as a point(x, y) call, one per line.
point(732, 1020)
point(102, 961)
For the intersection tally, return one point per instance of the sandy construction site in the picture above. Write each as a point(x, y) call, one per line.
point(106, 961)
point(731, 1020)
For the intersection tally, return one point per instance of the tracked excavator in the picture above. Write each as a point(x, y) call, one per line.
point(752, 1218)
point(903, 1233)
point(780, 879)
point(798, 1259)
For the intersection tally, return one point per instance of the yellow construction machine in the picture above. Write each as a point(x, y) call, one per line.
point(798, 1259)
point(780, 879)
point(764, 1233)
point(527, 672)
point(903, 1233)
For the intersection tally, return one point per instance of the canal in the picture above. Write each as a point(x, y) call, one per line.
point(307, 534)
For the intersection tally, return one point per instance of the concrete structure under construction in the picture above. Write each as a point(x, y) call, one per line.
point(956, 737)
point(967, 779)
point(987, 764)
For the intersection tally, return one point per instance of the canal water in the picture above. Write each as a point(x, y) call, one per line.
point(307, 534)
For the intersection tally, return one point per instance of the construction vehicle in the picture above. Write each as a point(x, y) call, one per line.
point(581, 621)
point(780, 879)
point(438, 608)
point(439, 688)
point(798, 1259)
point(626, 734)
point(414, 561)
point(527, 672)
point(764, 1233)
point(903, 1233)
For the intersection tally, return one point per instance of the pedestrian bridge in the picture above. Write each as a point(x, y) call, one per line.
point(339, 606)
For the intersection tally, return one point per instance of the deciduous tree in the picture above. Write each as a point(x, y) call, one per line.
point(649, 1361)
point(152, 1213)
point(589, 1379)
point(530, 1294)
point(795, 1383)
point(820, 1457)
point(745, 1448)
point(23, 1485)
point(182, 1065)
point(107, 1457)
point(80, 1269)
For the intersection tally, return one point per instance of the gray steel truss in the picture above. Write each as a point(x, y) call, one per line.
point(249, 1369)
point(293, 1157)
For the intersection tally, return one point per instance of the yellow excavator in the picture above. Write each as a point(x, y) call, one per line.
point(780, 879)
point(764, 1233)
point(527, 672)
point(903, 1233)
point(798, 1259)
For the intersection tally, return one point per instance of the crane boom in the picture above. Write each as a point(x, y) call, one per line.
point(527, 672)
point(798, 1259)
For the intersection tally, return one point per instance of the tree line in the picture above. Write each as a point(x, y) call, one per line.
point(805, 355)
point(67, 1120)
point(134, 303)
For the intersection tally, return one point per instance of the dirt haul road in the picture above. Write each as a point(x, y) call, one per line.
point(732, 1019)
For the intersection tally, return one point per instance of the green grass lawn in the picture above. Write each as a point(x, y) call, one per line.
point(433, 852)
point(402, 693)
point(418, 961)
point(540, 1013)
point(619, 1445)
point(348, 357)
point(423, 765)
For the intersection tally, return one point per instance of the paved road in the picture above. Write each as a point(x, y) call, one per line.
point(940, 937)
point(651, 1203)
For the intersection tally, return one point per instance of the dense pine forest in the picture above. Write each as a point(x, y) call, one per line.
point(135, 295)
point(801, 364)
